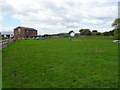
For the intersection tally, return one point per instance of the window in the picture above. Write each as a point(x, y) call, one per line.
point(19, 30)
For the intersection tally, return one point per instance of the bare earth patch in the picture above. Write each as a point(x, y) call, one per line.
point(98, 50)
point(76, 40)
point(53, 67)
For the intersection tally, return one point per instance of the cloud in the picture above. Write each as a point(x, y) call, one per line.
point(5, 8)
point(61, 16)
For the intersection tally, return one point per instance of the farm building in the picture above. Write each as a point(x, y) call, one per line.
point(24, 32)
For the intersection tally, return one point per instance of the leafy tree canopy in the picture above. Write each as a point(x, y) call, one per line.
point(94, 31)
point(71, 31)
point(116, 22)
point(85, 32)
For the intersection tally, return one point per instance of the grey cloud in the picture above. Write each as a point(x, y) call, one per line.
point(5, 8)
point(53, 17)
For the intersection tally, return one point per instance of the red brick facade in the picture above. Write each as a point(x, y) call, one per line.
point(23, 32)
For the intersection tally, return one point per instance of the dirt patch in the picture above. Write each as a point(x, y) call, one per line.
point(53, 67)
point(98, 50)
point(76, 40)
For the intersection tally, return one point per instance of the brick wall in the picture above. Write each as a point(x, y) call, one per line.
point(22, 32)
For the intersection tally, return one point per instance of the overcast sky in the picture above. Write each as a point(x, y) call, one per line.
point(58, 16)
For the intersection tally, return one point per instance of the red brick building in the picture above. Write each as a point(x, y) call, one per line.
point(24, 32)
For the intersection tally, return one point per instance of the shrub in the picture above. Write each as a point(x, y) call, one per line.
point(117, 34)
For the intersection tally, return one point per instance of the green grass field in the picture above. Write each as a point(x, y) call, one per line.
point(88, 62)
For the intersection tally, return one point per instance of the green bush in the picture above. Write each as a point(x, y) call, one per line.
point(117, 34)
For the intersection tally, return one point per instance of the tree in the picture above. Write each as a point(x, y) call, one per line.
point(106, 34)
point(116, 24)
point(46, 35)
point(85, 32)
point(81, 30)
point(109, 33)
point(98, 33)
point(71, 31)
point(94, 32)
point(117, 34)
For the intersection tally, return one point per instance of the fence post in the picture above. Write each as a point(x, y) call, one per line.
point(7, 42)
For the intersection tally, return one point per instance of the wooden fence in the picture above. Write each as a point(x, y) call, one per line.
point(4, 43)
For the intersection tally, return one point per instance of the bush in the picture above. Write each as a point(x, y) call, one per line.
point(117, 34)
point(85, 32)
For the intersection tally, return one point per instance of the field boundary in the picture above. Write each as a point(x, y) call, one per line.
point(5, 43)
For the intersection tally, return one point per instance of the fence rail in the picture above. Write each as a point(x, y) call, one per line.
point(4, 43)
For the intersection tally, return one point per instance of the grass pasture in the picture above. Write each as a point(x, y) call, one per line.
point(86, 62)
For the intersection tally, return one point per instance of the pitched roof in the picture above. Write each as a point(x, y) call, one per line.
point(26, 28)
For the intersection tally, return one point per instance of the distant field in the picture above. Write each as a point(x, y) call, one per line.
point(60, 63)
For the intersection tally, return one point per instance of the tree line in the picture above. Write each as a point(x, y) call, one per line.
point(95, 32)
point(115, 32)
